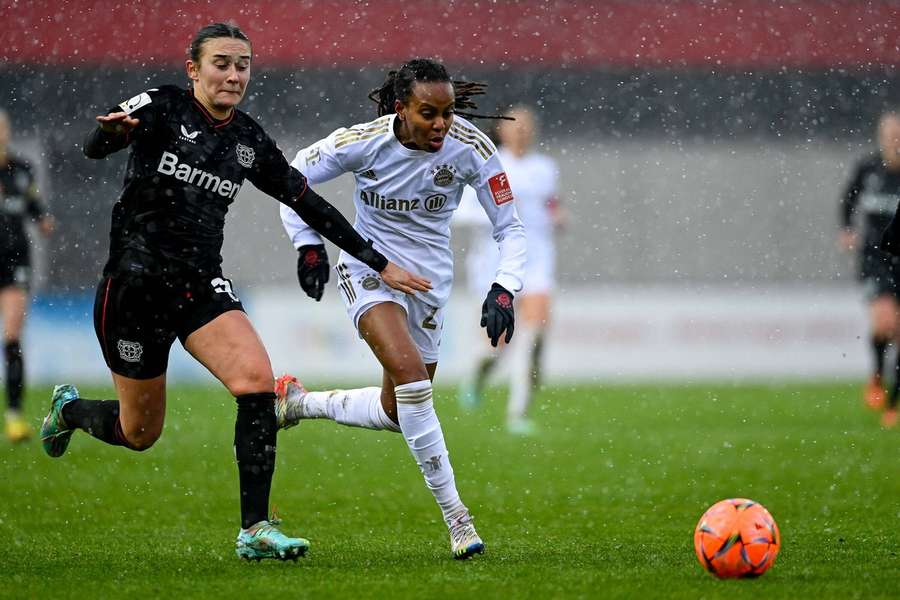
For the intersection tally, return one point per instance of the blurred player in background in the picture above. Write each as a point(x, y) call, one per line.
point(534, 180)
point(410, 167)
point(19, 200)
point(869, 201)
point(191, 150)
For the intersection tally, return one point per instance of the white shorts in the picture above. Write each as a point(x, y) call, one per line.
point(362, 288)
point(540, 266)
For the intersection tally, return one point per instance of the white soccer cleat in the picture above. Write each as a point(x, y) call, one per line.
point(289, 394)
point(464, 540)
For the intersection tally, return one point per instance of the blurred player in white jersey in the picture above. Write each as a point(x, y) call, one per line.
point(534, 179)
point(411, 166)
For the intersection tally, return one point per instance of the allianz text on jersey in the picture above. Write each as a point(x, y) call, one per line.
point(432, 203)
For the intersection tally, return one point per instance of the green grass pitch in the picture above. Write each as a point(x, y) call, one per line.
point(601, 504)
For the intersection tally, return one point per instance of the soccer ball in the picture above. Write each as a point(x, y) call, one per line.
point(736, 538)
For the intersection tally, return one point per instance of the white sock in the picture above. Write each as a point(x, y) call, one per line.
point(422, 431)
point(359, 407)
point(523, 363)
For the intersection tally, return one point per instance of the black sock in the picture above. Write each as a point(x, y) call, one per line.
point(15, 375)
point(254, 448)
point(895, 386)
point(482, 370)
point(100, 418)
point(536, 353)
point(879, 346)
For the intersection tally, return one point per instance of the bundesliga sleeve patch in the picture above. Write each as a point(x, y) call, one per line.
point(500, 189)
point(129, 106)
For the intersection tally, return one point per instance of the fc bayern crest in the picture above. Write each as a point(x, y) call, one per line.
point(443, 175)
point(245, 155)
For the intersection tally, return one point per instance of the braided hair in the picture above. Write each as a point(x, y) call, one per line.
point(398, 86)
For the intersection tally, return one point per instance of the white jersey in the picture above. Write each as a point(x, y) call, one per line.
point(534, 182)
point(405, 198)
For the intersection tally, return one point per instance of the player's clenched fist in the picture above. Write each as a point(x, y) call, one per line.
point(497, 314)
point(313, 269)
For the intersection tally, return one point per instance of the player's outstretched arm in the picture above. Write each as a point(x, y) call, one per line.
point(324, 218)
point(112, 134)
point(117, 122)
point(287, 184)
point(402, 280)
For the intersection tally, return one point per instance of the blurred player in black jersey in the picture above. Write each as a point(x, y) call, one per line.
point(19, 200)
point(191, 150)
point(869, 201)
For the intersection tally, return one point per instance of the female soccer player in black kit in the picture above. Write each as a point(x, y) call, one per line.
point(191, 150)
point(872, 195)
point(19, 200)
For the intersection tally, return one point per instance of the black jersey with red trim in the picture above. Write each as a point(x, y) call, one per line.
point(872, 196)
point(184, 171)
point(19, 200)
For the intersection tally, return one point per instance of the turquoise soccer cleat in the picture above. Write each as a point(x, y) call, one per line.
point(55, 434)
point(263, 540)
point(468, 396)
point(524, 427)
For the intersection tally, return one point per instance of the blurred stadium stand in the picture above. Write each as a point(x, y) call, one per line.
point(702, 145)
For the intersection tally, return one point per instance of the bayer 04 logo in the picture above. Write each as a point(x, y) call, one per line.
point(245, 155)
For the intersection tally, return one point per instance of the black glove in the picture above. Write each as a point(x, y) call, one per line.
point(313, 269)
point(497, 314)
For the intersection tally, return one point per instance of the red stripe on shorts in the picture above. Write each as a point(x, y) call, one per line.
point(103, 318)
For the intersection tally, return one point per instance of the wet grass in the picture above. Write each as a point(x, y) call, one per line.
point(602, 503)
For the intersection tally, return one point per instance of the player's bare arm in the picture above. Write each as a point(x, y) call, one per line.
point(847, 239)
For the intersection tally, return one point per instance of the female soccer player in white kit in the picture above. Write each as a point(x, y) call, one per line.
point(410, 166)
point(534, 180)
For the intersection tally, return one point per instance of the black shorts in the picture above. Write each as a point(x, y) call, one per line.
point(15, 269)
point(880, 274)
point(137, 317)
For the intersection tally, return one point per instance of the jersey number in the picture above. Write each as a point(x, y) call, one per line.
point(428, 322)
point(223, 286)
